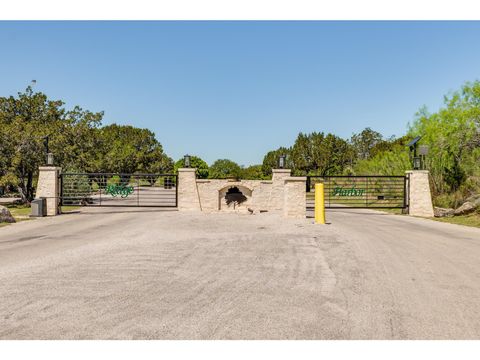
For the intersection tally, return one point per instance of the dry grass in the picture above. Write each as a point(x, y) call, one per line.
point(467, 220)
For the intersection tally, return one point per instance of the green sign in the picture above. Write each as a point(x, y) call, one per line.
point(121, 190)
point(340, 191)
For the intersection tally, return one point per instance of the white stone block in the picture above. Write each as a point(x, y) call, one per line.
point(48, 187)
point(419, 195)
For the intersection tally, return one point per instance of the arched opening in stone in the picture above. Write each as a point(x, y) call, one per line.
point(234, 197)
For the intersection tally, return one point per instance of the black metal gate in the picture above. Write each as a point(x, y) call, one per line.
point(111, 189)
point(373, 192)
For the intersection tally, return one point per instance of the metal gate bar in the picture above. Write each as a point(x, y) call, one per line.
point(372, 192)
point(118, 189)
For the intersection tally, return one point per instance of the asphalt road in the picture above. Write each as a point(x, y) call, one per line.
point(170, 275)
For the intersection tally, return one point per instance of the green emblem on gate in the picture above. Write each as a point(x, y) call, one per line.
point(121, 190)
point(340, 191)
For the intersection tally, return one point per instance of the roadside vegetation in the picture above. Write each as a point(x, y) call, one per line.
point(467, 220)
point(21, 212)
point(452, 135)
point(77, 139)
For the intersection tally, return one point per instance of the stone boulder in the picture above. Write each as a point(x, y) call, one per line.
point(466, 208)
point(474, 200)
point(443, 212)
point(5, 215)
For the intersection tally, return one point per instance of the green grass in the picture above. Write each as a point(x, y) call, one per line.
point(22, 212)
point(467, 220)
point(391, 211)
point(69, 208)
point(19, 212)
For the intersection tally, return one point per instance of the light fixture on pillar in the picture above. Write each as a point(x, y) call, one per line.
point(282, 161)
point(417, 163)
point(50, 159)
point(423, 151)
point(414, 158)
point(45, 145)
point(186, 161)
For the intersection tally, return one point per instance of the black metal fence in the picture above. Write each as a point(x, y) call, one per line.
point(360, 191)
point(111, 189)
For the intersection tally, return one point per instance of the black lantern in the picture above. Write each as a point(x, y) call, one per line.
point(45, 143)
point(186, 161)
point(417, 159)
point(47, 152)
point(50, 159)
point(417, 163)
point(282, 161)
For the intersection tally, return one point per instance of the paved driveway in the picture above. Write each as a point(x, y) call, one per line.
point(170, 275)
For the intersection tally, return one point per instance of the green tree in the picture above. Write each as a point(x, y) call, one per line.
point(270, 160)
point(394, 161)
point(320, 154)
point(224, 168)
point(195, 162)
point(127, 149)
point(76, 139)
point(24, 121)
point(253, 172)
point(453, 137)
point(364, 142)
point(76, 143)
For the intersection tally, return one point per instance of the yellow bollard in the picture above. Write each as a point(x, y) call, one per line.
point(319, 203)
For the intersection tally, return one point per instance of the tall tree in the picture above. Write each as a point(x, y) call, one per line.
point(364, 142)
point(270, 160)
point(195, 162)
point(127, 149)
point(320, 154)
point(24, 121)
point(253, 172)
point(453, 137)
point(224, 168)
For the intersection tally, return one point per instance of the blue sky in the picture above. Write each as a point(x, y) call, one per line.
point(239, 89)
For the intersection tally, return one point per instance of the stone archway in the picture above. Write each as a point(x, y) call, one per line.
point(234, 198)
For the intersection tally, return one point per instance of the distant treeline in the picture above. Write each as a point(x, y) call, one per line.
point(81, 143)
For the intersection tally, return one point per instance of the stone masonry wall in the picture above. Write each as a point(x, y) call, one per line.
point(209, 194)
point(419, 196)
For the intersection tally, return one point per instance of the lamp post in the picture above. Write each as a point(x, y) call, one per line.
point(414, 158)
point(417, 163)
point(50, 159)
point(282, 161)
point(186, 161)
point(48, 154)
point(422, 151)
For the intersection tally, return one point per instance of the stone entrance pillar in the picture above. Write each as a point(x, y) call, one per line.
point(295, 198)
point(188, 198)
point(48, 187)
point(278, 188)
point(418, 192)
